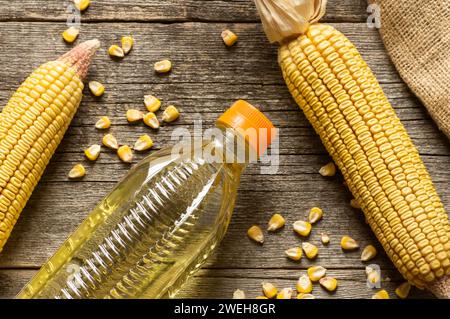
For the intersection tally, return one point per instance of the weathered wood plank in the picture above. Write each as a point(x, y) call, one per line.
point(167, 10)
point(220, 283)
point(251, 61)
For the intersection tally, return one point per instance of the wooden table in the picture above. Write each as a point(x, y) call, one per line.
point(207, 77)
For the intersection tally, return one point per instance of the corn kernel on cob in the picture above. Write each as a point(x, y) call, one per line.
point(32, 126)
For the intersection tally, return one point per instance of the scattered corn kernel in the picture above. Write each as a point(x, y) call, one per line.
point(305, 296)
point(402, 291)
point(315, 214)
point(229, 37)
point(110, 141)
point(328, 170)
point(77, 171)
point(310, 250)
point(96, 88)
point(82, 4)
point(238, 294)
point(329, 283)
point(276, 222)
point(382, 294)
point(261, 297)
point(152, 103)
point(304, 284)
point(269, 290)
point(170, 114)
point(163, 66)
point(143, 143)
point(316, 272)
point(127, 44)
point(103, 123)
point(355, 203)
point(134, 115)
point(116, 51)
point(294, 253)
point(92, 152)
point(125, 153)
point(348, 243)
point(151, 120)
point(325, 238)
point(70, 34)
point(373, 275)
point(369, 252)
point(255, 233)
point(302, 228)
point(285, 293)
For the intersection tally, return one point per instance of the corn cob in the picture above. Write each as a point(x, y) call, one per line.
point(342, 99)
point(32, 125)
point(347, 108)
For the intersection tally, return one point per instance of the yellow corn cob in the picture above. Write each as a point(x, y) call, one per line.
point(33, 123)
point(345, 104)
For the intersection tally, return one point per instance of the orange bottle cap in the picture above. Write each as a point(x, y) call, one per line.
point(247, 119)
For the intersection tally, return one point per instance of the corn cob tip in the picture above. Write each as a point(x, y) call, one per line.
point(80, 57)
point(440, 287)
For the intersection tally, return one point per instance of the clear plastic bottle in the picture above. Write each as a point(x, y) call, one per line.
point(160, 223)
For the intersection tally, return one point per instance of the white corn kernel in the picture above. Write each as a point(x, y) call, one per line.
point(302, 228)
point(77, 171)
point(92, 152)
point(143, 143)
point(170, 114)
point(152, 103)
point(163, 66)
point(151, 120)
point(103, 123)
point(315, 214)
point(276, 222)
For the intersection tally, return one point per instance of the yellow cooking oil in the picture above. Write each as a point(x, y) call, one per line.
point(158, 225)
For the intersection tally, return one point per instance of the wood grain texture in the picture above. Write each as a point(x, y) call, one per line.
point(207, 77)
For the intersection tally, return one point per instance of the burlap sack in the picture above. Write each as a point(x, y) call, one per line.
point(416, 34)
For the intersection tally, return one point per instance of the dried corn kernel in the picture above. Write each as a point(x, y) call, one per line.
point(316, 272)
point(305, 296)
point(402, 291)
point(170, 114)
point(285, 293)
point(369, 252)
point(143, 143)
point(127, 44)
point(302, 228)
point(382, 294)
point(238, 294)
point(255, 233)
point(116, 51)
point(229, 37)
point(310, 250)
point(134, 115)
point(152, 103)
point(355, 203)
point(81, 5)
point(348, 243)
point(276, 222)
point(77, 171)
point(261, 297)
point(92, 152)
point(294, 253)
point(163, 66)
point(151, 120)
point(70, 34)
point(96, 88)
point(373, 275)
point(110, 141)
point(304, 284)
point(125, 154)
point(269, 290)
point(329, 283)
point(325, 238)
point(103, 123)
point(328, 170)
point(315, 214)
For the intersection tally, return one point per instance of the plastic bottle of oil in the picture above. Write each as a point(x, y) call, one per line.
point(161, 222)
